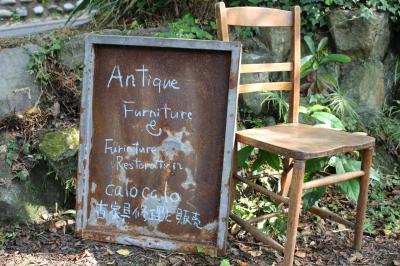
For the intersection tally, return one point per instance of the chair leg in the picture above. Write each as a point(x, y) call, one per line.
point(286, 178)
point(294, 211)
point(362, 198)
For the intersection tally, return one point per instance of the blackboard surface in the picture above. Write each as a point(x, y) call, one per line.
point(157, 129)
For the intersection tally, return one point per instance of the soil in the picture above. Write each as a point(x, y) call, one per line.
point(321, 243)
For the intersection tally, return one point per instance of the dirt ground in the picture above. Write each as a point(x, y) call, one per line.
point(320, 243)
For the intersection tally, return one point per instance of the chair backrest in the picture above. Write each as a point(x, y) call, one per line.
point(267, 17)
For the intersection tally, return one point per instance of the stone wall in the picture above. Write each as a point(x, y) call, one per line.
point(15, 10)
point(368, 80)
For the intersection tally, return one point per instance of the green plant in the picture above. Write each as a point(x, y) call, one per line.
point(383, 211)
point(148, 12)
point(37, 63)
point(187, 27)
point(320, 115)
point(318, 80)
point(224, 262)
point(314, 13)
point(387, 128)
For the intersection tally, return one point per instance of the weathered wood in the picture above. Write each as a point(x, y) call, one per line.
point(259, 17)
point(294, 100)
point(222, 26)
point(286, 177)
point(301, 141)
point(275, 197)
point(331, 216)
point(270, 86)
point(332, 179)
point(294, 211)
point(270, 67)
point(119, 183)
point(265, 217)
point(258, 234)
point(362, 198)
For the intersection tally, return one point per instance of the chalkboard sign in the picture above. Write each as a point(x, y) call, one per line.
point(156, 141)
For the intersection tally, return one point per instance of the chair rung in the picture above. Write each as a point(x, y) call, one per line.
point(316, 210)
point(270, 86)
point(258, 234)
point(265, 217)
point(269, 67)
point(272, 195)
point(332, 179)
point(331, 216)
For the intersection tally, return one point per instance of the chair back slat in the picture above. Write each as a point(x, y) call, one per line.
point(269, 86)
point(267, 17)
point(257, 17)
point(269, 67)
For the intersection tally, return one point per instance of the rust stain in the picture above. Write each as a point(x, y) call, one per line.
point(150, 177)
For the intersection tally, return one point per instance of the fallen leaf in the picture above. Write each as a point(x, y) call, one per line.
point(255, 253)
point(244, 247)
point(387, 232)
point(33, 110)
point(341, 227)
point(240, 263)
point(355, 256)
point(123, 252)
point(300, 254)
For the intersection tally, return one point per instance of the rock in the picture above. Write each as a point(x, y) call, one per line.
point(73, 53)
point(389, 64)
point(68, 6)
point(28, 201)
point(18, 91)
point(26, 1)
point(277, 41)
point(38, 10)
point(21, 12)
point(363, 81)
point(254, 100)
point(5, 13)
point(360, 37)
point(55, 8)
point(8, 2)
point(60, 149)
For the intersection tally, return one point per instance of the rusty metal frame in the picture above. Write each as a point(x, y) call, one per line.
point(86, 134)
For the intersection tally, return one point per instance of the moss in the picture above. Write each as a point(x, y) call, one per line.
point(58, 145)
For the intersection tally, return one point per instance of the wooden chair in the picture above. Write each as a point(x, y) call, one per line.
point(295, 142)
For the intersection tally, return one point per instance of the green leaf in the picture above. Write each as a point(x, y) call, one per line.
point(200, 249)
point(328, 119)
point(315, 165)
point(243, 155)
point(312, 196)
point(306, 63)
point(22, 176)
point(271, 159)
point(310, 43)
point(351, 188)
point(224, 262)
point(318, 107)
point(303, 109)
point(336, 58)
point(322, 44)
point(329, 79)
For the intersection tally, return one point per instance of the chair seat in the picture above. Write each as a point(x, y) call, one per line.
point(299, 141)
